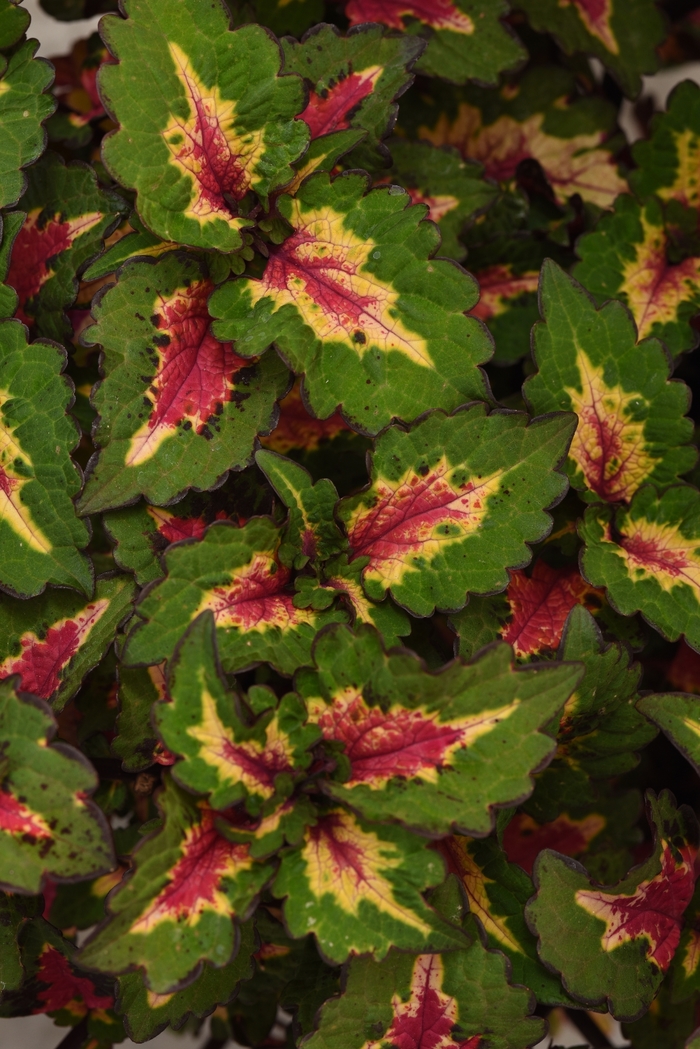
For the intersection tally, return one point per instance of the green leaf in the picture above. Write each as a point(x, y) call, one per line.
point(147, 1014)
point(678, 717)
point(666, 159)
point(453, 502)
point(177, 908)
point(454, 189)
point(54, 640)
point(23, 108)
point(311, 533)
point(468, 40)
point(612, 945)
point(497, 892)
point(212, 115)
point(236, 573)
point(40, 534)
point(136, 742)
point(626, 257)
point(11, 224)
point(68, 216)
point(462, 996)
point(651, 565)
point(354, 80)
point(357, 886)
point(631, 427)
point(223, 756)
point(623, 38)
point(134, 245)
point(667, 1023)
point(15, 912)
point(684, 975)
point(382, 330)
point(426, 748)
point(48, 825)
point(14, 21)
point(177, 408)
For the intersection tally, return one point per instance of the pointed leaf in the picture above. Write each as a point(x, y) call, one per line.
point(40, 533)
point(236, 573)
point(624, 39)
point(625, 935)
point(652, 563)
point(422, 748)
point(468, 42)
point(453, 502)
point(626, 257)
point(177, 908)
point(48, 825)
point(357, 887)
point(428, 1001)
point(353, 302)
point(146, 1013)
point(678, 716)
point(177, 408)
point(23, 108)
point(213, 116)
point(508, 307)
point(68, 216)
point(666, 160)
point(631, 426)
point(54, 640)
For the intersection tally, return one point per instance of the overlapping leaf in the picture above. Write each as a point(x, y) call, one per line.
point(236, 573)
point(354, 304)
point(684, 975)
point(136, 742)
point(453, 502)
point(626, 257)
point(650, 564)
point(40, 534)
point(627, 934)
point(678, 716)
point(177, 407)
point(54, 640)
point(422, 748)
point(15, 912)
point(623, 37)
point(48, 825)
point(466, 38)
point(212, 114)
point(631, 427)
point(357, 887)
point(23, 108)
point(76, 88)
point(667, 159)
point(14, 20)
point(177, 908)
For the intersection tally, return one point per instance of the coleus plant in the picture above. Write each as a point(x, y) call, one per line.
point(350, 536)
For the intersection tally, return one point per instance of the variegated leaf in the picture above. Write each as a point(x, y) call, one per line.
point(678, 716)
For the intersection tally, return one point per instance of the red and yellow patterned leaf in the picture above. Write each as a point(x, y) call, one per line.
point(626, 935)
point(192, 402)
point(540, 604)
point(214, 116)
point(631, 417)
point(297, 428)
point(524, 838)
point(341, 286)
point(236, 573)
point(64, 988)
point(434, 489)
point(177, 907)
point(667, 160)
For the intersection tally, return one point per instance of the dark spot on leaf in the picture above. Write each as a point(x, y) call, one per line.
point(161, 340)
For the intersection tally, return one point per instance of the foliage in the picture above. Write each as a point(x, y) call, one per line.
point(349, 523)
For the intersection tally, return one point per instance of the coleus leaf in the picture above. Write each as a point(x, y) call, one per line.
point(136, 742)
point(177, 908)
point(454, 190)
point(678, 716)
point(11, 224)
point(41, 536)
point(667, 1022)
point(76, 87)
point(468, 40)
point(213, 115)
point(136, 242)
point(453, 502)
point(357, 887)
point(623, 39)
point(354, 304)
point(14, 21)
point(237, 574)
point(625, 935)
point(354, 80)
point(297, 429)
point(684, 974)
point(311, 534)
point(631, 426)
point(54, 640)
point(222, 756)
point(68, 215)
point(428, 1001)
point(626, 257)
point(542, 121)
point(177, 407)
point(146, 1013)
point(524, 838)
point(666, 159)
point(652, 564)
point(15, 912)
point(48, 825)
point(497, 892)
point(411, 739)
point(23, 108)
